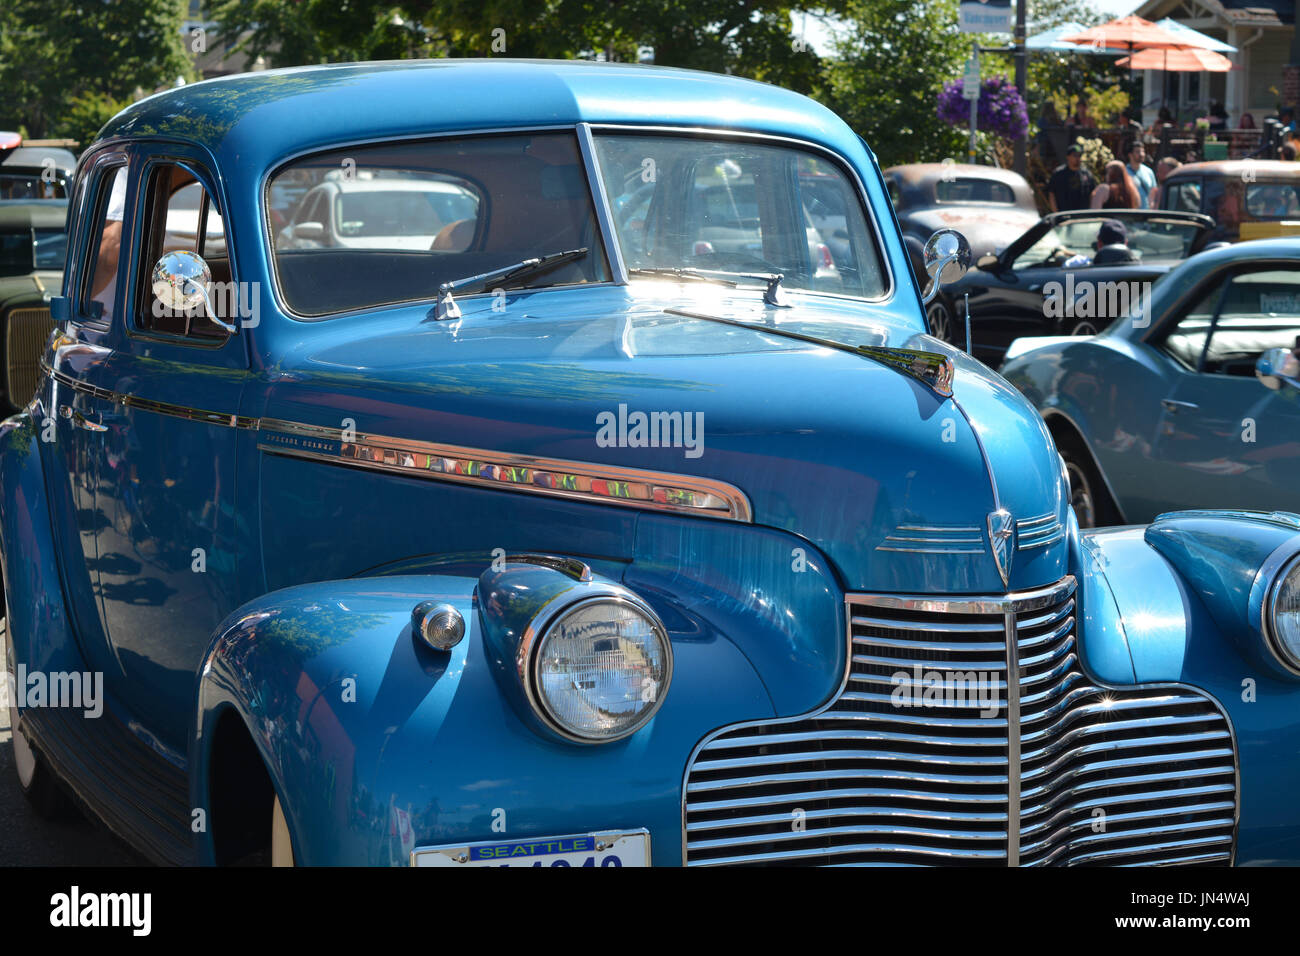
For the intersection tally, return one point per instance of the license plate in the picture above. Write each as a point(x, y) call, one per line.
point(616, 848)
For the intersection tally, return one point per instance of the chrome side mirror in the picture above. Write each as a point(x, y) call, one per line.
point(1278, 367)
point(946, 258)
point(180, 282)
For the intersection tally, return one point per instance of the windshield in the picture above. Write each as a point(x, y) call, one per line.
point(683, 202)
point(1151, 241)
point(27, 249)
point(389, 223)
point(31, 186)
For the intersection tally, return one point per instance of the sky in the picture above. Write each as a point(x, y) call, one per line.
point(819, 39)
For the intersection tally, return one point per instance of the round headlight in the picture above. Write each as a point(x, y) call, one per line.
point(600, 669)
point(1282, 615)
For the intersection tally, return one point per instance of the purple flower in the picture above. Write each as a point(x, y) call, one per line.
point(1001, 109)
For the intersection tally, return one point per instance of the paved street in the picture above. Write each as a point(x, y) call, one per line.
point(27, 840)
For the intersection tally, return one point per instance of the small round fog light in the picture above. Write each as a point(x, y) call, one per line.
point(439, 625)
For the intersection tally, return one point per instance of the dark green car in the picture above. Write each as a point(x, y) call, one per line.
point(33, 246)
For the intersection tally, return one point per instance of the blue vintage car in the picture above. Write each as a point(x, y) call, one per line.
point(495, 509)
point(1190, 402)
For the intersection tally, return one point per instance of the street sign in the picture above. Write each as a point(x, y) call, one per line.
point(984, 16)
point(970, 80)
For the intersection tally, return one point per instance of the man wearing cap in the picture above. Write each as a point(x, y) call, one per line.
point(1071, 185)
point(1110, 248)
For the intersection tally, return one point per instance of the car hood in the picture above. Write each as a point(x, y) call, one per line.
point(987, 228)
point(892, 481)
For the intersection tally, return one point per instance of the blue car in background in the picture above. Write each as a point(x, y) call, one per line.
point(1192, 403)
point(603, 526)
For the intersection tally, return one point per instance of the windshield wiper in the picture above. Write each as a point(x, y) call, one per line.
point(447, 307)
point(773, 295)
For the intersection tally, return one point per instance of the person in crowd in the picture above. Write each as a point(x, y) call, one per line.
point(1071, 184)
point(1118, 191)
point(1141, 172)
point(1080, 116)
point(1109, 248)
point(1286, 152)
point(1163, 169)
point(1049, 121)
point(1218, 116)
point(1247, 121)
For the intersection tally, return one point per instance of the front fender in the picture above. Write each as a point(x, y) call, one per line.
point(1170, 603)
point(368, 734)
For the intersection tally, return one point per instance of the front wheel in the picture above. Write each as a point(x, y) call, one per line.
point(1088, 494)
point(943, 324)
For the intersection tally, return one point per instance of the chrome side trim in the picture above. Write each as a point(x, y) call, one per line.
point(503, 471)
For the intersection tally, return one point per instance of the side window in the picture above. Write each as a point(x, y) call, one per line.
point(1241, 318)
point(99, 290)
point(180, 215)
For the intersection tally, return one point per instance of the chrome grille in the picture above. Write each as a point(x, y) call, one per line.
point(1082, 774)
point(26, 332)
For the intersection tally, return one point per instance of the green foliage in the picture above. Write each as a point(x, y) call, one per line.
point(891, 60)
point(748, 37)
point(64, 63)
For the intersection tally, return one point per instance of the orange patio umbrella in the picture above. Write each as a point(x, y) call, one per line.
point(1190, 60)
point(1129, 33)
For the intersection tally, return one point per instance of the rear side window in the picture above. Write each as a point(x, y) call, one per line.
point(99, 292)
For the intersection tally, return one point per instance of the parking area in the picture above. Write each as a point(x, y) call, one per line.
point(27, 840)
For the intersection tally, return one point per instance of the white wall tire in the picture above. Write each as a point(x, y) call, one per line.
point(281, 844)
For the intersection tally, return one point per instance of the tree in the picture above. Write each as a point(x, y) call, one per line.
point(753, 38)
point(68, 65)
point(892, 58)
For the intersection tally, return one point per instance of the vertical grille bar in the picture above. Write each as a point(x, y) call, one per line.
point(26, 332)
point(1013, 740)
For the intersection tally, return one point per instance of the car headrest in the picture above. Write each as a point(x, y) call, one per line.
point(1114, 255)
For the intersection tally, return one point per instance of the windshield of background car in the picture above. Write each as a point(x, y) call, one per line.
point(23, 250)
point(1152, 240)
point(389, 223)
point(739, 207)
point(30, 186)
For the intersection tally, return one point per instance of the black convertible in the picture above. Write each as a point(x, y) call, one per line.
point(1057, 279)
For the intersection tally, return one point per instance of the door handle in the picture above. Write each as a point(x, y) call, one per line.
point(81, 421)
point(1173, 406)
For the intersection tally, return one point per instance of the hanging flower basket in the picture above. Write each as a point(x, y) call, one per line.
point(1001, 109)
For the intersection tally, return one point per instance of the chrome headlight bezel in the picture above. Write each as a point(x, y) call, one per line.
point(1268, 613)
point(533, 639)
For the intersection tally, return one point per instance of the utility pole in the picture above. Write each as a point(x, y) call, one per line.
point(1021, 163)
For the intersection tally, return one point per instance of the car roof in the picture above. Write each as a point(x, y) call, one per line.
point(38, 213)
point(263, 117)
point(1233, 168)
point(930, 172)
point(33, 157)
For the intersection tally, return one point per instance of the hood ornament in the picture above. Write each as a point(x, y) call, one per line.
point(1002, 533)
